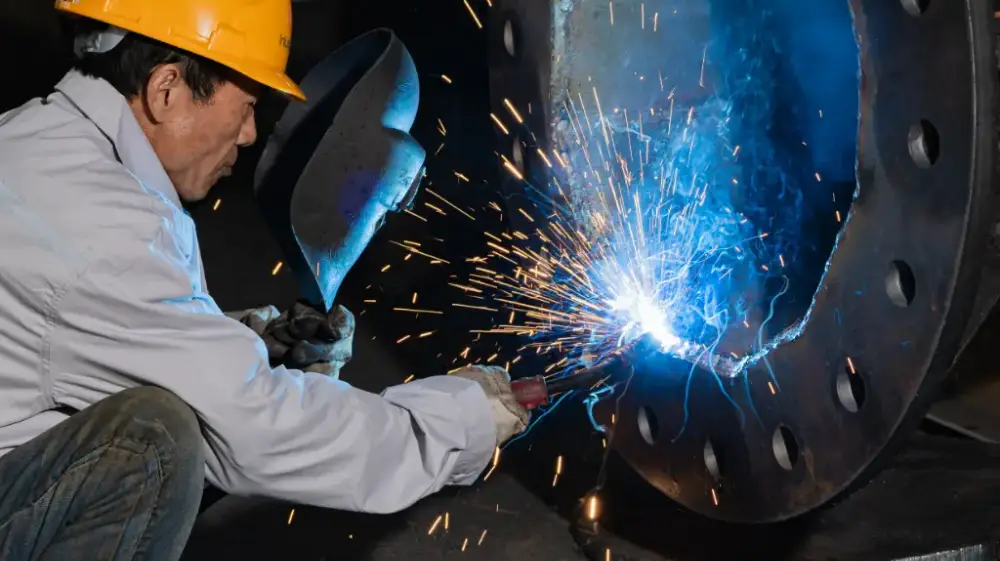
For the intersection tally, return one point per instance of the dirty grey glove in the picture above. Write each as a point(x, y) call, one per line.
point(509, 417)
point(255, 318)
point(303, 337)
point(306, 338)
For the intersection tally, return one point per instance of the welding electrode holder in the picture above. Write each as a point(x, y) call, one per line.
point(535, 391)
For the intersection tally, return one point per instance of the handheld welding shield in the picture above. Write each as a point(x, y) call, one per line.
point(338, 163)
point(405, 202)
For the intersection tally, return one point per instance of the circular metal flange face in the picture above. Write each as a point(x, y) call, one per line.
point(825, 409)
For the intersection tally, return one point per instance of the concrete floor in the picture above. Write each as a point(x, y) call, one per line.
point(495, 521)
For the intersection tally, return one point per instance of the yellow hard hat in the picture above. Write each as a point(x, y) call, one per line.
point(250, 36)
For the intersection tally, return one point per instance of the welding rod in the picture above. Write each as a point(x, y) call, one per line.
point(535, 391)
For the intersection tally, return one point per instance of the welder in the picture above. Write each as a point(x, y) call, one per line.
point(123, 386)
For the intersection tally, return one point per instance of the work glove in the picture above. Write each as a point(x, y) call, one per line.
point(255, 318)
point(304, 337)
point(509, 417)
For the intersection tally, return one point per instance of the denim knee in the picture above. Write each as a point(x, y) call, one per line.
point(125, 474)
point(158, 417)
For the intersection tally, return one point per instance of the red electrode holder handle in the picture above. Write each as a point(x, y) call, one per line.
point(534, 391)
point(530, 392)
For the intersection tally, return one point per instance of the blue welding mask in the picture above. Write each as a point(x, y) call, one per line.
point(405, 202)
point(338, 165)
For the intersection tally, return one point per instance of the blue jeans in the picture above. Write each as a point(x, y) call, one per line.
point(118, 481)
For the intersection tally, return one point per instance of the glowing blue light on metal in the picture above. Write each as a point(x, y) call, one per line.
point(680, 191)
point(665, 237)
point(643, 315)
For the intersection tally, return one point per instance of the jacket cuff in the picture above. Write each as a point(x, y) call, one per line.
point(480, 433)
point(469, 412)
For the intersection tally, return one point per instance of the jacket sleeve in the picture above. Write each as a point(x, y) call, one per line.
point(277, 432)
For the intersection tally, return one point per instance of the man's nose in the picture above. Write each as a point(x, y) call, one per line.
point(248, 134)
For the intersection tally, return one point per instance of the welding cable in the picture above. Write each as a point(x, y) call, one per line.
point(592, 540)
point(587, 533)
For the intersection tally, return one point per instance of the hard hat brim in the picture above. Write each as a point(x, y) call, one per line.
point(277, 81)
point(283, 84)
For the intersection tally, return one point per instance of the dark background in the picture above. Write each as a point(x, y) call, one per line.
point(524, 515)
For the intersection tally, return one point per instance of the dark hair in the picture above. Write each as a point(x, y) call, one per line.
point(129, 64)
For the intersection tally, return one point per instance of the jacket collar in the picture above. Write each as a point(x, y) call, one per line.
point(99, 102)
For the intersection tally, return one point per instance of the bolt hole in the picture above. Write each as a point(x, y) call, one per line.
point(649, 428)
point(851, 389)
point(924, 144)
point(916, 8)
point(786, 449)
point(510, 38)
point(900, 284)
point(711, 460)
point(517, 155)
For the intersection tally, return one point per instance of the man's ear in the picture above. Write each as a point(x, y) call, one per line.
point(164, 92)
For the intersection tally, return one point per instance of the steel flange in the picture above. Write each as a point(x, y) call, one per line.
point(820, 415)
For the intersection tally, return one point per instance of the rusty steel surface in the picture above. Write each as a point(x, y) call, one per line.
point(825, 410)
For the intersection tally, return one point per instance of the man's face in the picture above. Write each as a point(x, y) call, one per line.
point(196, 140)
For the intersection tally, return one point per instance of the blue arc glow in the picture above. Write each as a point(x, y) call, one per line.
point(687, 217)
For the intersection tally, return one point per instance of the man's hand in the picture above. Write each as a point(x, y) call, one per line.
point(509, 416)
point(304, 337)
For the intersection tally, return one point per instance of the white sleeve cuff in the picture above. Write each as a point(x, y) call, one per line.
point(474, 415)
